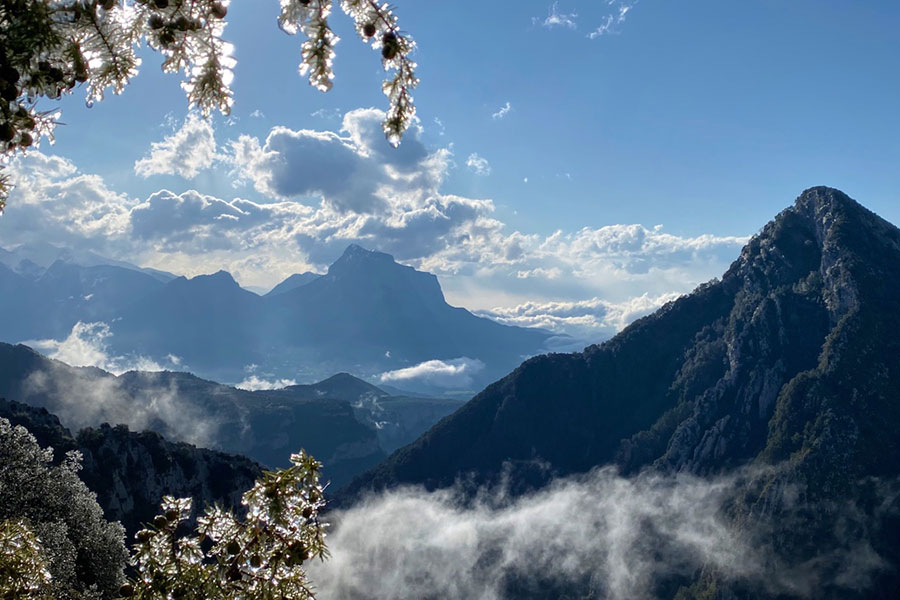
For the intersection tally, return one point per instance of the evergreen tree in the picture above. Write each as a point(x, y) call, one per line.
point(55, 544)
point(83, 553)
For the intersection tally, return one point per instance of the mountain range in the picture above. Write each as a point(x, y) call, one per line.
point(345, 422)
point(367, 315)
point(781, 379)
point(789, 365)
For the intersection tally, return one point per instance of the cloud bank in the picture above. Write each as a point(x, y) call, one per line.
point(586, 321)
point(597, 535)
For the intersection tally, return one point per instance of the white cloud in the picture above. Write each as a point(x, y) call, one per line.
point(455, 373)
point(621, 8)
point(51, 200)
point(255, 383)
point(504, 110)
point(355, 188)
point(551, 273)
point(356, 172)
point(586, 321)
point(186, 152)
point(258, 114)
point(557, 19)
point(327, 113)
point(86, 346)
point(478, 164)
point(618, 536)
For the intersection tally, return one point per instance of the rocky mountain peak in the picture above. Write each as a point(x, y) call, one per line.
point(356, 257)
point(764, 365)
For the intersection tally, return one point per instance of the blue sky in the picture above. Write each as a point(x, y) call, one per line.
point(545, 161)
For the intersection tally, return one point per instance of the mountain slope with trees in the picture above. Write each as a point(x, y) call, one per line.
point(790, 363)
point(131, 471)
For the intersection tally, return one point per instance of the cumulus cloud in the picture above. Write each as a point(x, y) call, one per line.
point(315, 192)
point(354, 172)
point(478, 164)
point(555, 18)
point(504, 110)
point(448, 374)
point(186, 152)
point(614, 262)
point(51, 200)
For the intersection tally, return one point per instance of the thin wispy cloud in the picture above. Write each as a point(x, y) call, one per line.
point(440, 126)
point(621, 8)
point(327, 113)
point(555, 18)
point(478, 165)
point(504, 110)
point(87, 346)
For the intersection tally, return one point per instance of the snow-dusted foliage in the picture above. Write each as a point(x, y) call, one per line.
point(257, 557)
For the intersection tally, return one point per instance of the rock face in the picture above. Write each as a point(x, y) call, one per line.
point(792, 360)
point(130, 472)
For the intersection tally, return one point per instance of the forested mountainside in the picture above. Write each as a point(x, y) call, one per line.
point(790, 363)
point(131, 471)
point(348, 424)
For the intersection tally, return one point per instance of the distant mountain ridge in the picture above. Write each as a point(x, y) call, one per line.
point(343, 421)
point(790, 363)
point(366, 315)
point(293, 282)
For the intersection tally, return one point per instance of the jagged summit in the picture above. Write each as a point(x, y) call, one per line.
point(356, 257)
